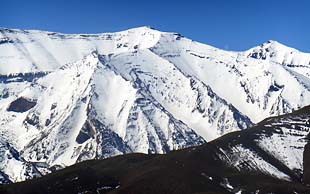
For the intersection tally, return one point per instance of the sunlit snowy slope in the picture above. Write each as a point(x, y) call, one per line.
point(67, 98)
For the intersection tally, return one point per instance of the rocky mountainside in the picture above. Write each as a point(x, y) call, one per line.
point(267, 158)
point(68, 98)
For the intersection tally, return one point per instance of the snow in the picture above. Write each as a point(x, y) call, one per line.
point(118, 96)
point(283, 138)
point(243, 158)
point(175, 91)
point(229, 186)
point(14, 168)
point(233, 70)
point(208, 177)
point(47, 51)
point(288, 143)
point(139, 90)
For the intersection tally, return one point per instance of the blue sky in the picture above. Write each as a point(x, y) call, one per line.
point(226, 24)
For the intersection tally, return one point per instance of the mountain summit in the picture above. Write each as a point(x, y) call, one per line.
point(65, 98)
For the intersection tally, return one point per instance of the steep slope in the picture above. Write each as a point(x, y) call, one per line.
point(266, 158)
point(279, 140)
point(186, 98)
point(257, 87)
point(76, 117)
point(68, 98)
point(262, 77)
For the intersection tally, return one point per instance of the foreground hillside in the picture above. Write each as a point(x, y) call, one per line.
point(267, 158)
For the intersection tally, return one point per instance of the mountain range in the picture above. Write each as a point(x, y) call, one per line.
point(266, 158)
point(66, 98)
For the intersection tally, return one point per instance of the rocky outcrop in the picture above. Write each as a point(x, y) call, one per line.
point(21, 105)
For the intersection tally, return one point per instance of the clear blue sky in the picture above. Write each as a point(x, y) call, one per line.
point(227, 24)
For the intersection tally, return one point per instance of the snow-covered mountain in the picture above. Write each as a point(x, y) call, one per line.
point(67, 98)
point(266, 158)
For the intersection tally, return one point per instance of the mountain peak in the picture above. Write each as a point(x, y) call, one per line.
point(276, 46)
point(273, 49)
point(144, 28)
point(139, 90)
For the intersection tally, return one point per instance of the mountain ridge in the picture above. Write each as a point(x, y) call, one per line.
point(140, 90)
point(148, 28)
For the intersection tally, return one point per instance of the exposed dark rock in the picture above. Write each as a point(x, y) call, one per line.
point(5, 94)
point(5, 40)
point(33, 120)
point(86, 133)
point(47, 122)
point(53, 106)
point(4, 178)
point(22, 77)
point(82, 137)
point(21, 104)
point(275, 87)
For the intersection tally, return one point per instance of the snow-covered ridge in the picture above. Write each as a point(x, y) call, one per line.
point(275, 146)
point(48, 45)
point(32, 50)
point(281, 54)
point(72, 97)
